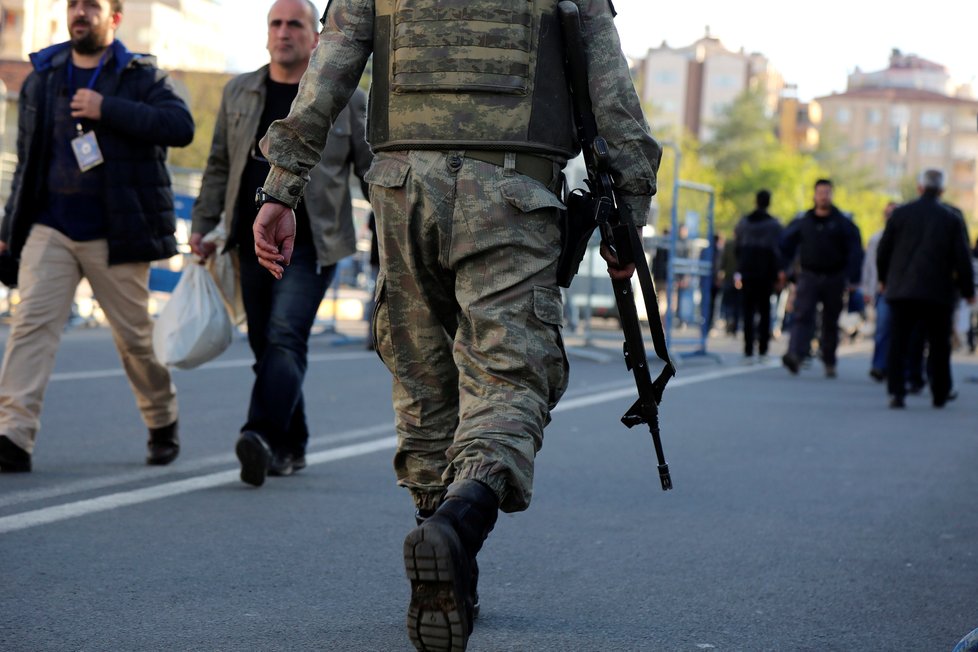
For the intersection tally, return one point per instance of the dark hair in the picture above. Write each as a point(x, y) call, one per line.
point(116, 6)
point(823, 182)
point(763, 198)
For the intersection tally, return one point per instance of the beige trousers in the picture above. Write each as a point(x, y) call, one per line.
point(51, 267)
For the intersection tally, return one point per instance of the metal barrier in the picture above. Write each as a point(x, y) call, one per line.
point(689, 271)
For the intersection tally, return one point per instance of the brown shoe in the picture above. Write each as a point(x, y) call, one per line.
point(163, 445)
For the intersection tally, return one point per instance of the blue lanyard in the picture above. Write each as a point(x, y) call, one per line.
point(91, 82)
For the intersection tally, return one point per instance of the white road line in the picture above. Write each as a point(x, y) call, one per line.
point(217, 364)
point(66, 511)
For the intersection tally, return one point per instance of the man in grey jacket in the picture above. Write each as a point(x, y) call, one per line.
point(279, 314)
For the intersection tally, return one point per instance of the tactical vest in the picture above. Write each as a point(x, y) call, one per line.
point(469, 74)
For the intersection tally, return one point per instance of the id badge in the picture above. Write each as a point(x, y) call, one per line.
point(87, 151)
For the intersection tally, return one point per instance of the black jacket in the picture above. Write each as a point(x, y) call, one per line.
point(923, 254)
point(141, 117)
point(758, 238)
point(825, 245)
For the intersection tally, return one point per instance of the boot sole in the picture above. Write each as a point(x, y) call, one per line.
point(254, 461)
point(437, 620)
point(162, 459)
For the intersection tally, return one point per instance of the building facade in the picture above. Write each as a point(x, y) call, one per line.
point(690, 87)
point(182, 34)
point(908, 117)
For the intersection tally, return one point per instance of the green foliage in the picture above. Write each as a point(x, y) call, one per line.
point(202, 92)
point(744, 156)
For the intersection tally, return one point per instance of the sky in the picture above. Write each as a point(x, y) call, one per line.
point(815, 49)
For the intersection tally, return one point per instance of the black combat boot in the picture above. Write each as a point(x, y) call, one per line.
point(439, 557)
point(163, 445)
point(419, 517)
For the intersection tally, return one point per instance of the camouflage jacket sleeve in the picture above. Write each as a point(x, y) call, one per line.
point(294, 144)
point(634, 153)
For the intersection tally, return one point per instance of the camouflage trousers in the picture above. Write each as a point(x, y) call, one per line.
point(467, 319)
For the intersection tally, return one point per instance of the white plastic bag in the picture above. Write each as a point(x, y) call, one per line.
point(193, 326)
point(224, 267)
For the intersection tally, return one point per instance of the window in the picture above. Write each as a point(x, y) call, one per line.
point(931, 147)
point(899, 114)
point(873, 116)
point(666, 77)
point(843, 115)
point(871, 144)
point(932, 120)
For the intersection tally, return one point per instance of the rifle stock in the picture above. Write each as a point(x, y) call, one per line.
point(597, 207)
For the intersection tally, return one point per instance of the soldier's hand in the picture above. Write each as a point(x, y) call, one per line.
point(201, 248)
point(616, 271)
point(86, 104)
point(274, 231)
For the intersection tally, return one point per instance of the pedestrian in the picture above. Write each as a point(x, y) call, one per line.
point(829, 255)
point(469, 144)
point(91, 197)
point(280, 315)
point(871, 288)
point(731, 293)
point(759, 270)
point(923, 260)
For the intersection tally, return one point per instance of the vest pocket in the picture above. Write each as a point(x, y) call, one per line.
point(462, 46)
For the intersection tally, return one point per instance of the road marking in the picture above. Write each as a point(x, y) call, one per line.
point(137, 496)
point(217, 364)
point(53, 514)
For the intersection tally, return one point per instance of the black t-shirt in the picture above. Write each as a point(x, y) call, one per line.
point(278, 101)
point(71, 200)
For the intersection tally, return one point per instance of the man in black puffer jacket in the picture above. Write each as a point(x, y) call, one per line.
point(91, 198)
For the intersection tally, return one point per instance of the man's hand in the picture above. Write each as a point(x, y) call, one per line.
point(274, 231)
point(615, 269)
point(781, 282)
point(86, 104)
point(201, 248)
point(3, 246)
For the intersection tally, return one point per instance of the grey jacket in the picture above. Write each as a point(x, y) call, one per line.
point(327, 196)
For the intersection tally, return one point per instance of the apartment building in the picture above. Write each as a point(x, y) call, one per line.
point(689, 87)
point(905, 118)
point(182, 34)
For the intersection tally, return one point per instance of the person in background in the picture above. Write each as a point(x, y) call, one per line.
point(280, 315)
point(91, 197)
point(871, 288)
point(829, 255)
point(759, 271)
point(923, 260)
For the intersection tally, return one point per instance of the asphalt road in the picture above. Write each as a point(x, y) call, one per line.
point(805, 516)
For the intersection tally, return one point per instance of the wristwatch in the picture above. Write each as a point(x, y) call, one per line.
point(262, 197)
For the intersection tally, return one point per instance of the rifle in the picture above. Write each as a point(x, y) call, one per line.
point(597, 208)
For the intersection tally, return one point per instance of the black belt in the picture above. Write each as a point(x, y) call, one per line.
point(536, 167)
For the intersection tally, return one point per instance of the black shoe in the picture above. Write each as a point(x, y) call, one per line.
point(896, 402)
point(255, 457)
point(163, 445)
point(13, 458)
point(916, 388)
point(791, 362)
point(281, 464)
point(830, 371)
point(298, 462)
point(939, 402)
point(419, 518)
point(438, 557)
point(877, 374)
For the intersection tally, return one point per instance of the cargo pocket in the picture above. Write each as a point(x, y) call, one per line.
point(529, 196)
point(388, 172)
point(380, 325)
point(548, 308)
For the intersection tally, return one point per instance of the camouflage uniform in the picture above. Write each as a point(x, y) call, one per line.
point(468, 311)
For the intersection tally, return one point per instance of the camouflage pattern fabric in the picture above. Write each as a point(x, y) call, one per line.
point(468, 320)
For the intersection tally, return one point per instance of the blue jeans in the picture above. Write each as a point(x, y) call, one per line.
point(881, 337)
point(280, 317)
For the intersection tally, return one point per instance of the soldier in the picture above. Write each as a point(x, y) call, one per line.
point(469, 118)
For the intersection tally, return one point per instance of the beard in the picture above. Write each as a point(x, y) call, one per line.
point(92, 42)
